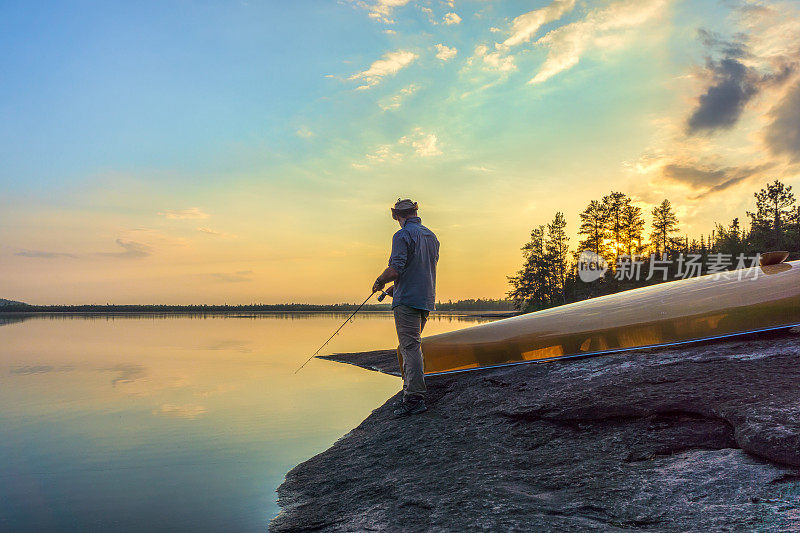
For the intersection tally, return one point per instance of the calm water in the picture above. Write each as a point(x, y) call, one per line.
point(160, 423)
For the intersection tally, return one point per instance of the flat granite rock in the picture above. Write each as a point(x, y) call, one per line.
point(378, 360)
point(702, 437)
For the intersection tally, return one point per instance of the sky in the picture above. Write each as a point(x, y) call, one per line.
point(248, 151)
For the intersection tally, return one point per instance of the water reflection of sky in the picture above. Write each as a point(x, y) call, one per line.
point(133, 423)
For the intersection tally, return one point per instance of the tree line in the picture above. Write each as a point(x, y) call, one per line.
point(450, 305)
point(614, 229)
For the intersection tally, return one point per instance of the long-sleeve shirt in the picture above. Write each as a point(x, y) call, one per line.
point(415, 252)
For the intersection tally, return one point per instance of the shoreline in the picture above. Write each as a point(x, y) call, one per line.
point(699, 436)
point(246, 314)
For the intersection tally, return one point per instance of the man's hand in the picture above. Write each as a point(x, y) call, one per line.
point(378, 285)
point(390, 291)
point(388, 275)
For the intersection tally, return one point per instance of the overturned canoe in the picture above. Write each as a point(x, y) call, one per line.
point(700, 308)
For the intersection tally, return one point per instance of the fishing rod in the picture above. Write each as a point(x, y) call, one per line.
point(381, 296)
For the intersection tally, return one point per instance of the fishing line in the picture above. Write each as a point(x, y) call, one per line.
point(380, 298)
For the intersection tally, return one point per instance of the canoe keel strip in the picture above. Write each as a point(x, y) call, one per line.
point(693, 309)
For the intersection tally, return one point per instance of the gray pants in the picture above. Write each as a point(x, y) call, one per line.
point(409, 323)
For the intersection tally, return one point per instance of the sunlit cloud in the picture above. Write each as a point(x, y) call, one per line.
point(384, 153)
point(418, 143)
point(389, 65)
point(188, 213)
point(495, 60)
point(445, 53)
point(451, 18)
point(424, 144)
point(524, 27)
point(600, 29)
point(214, 233)
point(305, 133)
point(382, 10)
point(394, 101)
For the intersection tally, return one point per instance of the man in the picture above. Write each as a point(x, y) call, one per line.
point(412, 267)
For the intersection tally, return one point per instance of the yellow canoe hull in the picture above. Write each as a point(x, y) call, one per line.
point(700, 308)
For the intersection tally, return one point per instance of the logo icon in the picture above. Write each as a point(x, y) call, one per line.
point(591, 266)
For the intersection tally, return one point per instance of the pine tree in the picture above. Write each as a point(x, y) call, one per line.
point(613, 211)
point(771, 219)
point(593, 227)
point(665, 223)
point(729, 240)
point(633, 224)
point(557, 250)
point(529, 286)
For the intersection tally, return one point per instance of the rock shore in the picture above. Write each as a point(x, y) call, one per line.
point(702, 437)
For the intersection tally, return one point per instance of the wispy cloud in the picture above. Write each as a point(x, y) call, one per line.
point(234, 277)
point(382, 10)
point(28, 370)
point(602, 28)
point(394, 101)
point(188, 213)
point(495, 60)
point(417, 143)
point(445, 53)
point(131, 250)
point(383, 154)
point(389, 65)
point(214, 233)
point(712, 179)
point(524, 27)
point(41, 254)
point(424, 144)
point(305, 133)
point(479, 168)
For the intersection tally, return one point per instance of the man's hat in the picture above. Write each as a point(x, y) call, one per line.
point(404, 205)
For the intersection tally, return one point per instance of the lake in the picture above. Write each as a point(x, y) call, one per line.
point(143, 423)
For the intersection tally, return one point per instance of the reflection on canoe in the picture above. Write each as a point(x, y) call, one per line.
point(700, 308)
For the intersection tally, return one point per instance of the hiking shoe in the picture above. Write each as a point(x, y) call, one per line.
point(398, 403)
point(410, 408)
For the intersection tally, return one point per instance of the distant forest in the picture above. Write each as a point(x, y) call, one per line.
point(460, 305)
point(614, 229)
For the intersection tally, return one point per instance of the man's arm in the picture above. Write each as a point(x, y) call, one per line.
point(390, 274)
point(397, 261)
